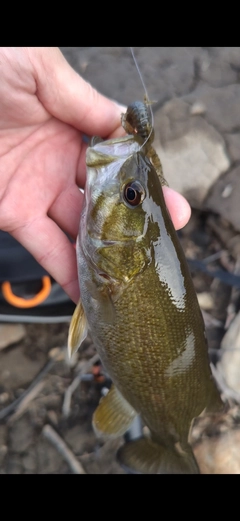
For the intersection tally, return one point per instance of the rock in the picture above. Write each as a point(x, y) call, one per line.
point(229, 365)
point(224, 198)
point(175, 66)
point(48, 458)
point(11, 334)
point(222, 104)
point(80, 439)
point(167, 71)
point(20, 435)
point(233, 142)
point(217, 71)
point(14, 465)
point(16, 369)
point(219, 454)
point(29, 461)
point(192, 152)
point(103, 459)
point(229, 54)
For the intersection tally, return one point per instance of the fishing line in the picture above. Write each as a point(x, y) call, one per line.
point(148, 103)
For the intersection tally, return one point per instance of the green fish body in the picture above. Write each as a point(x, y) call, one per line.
point(139, 304)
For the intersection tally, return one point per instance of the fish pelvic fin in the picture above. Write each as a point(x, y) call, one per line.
point(144, 456)
point(78, 329)
point(113, 416)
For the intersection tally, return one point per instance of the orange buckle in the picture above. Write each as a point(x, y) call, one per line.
point(20, 302)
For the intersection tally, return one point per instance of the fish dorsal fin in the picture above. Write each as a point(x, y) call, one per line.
point(78, 329)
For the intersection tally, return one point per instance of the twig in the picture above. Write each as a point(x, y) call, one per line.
point(75, 383)
point(22, 407)
point(51, 435)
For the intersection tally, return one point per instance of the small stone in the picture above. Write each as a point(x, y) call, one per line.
point(227, 191)
point(11, 334)
point(57, 353)
point(205, 300)
point(219, 454)
point(4, 397)
point(197, 108)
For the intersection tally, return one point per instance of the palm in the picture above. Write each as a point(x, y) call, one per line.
point(45, 159)
point(48, 164)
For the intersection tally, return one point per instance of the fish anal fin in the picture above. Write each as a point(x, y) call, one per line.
point(114, 415)
point(78, 329)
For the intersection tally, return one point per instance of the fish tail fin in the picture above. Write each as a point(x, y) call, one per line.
point(144, 456)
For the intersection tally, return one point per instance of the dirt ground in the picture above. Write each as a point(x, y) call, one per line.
point(31, 434)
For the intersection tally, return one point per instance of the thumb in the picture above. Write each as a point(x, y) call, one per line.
point(69, 97)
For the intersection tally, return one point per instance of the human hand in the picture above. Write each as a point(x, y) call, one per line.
point(45, 106)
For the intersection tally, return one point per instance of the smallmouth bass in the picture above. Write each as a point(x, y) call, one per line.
point(139, 304)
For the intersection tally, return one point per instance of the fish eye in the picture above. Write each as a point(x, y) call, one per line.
point(133, 193)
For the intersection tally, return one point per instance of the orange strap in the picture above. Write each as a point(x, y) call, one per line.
point(20, 302)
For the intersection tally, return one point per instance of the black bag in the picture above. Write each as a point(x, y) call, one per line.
point(27, 292)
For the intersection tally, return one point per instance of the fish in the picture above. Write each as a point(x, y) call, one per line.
point(139, 304)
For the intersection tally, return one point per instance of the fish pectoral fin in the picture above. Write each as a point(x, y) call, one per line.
point(78, 329)
point(144, 456)
point(114, 415)
point(104, 299)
